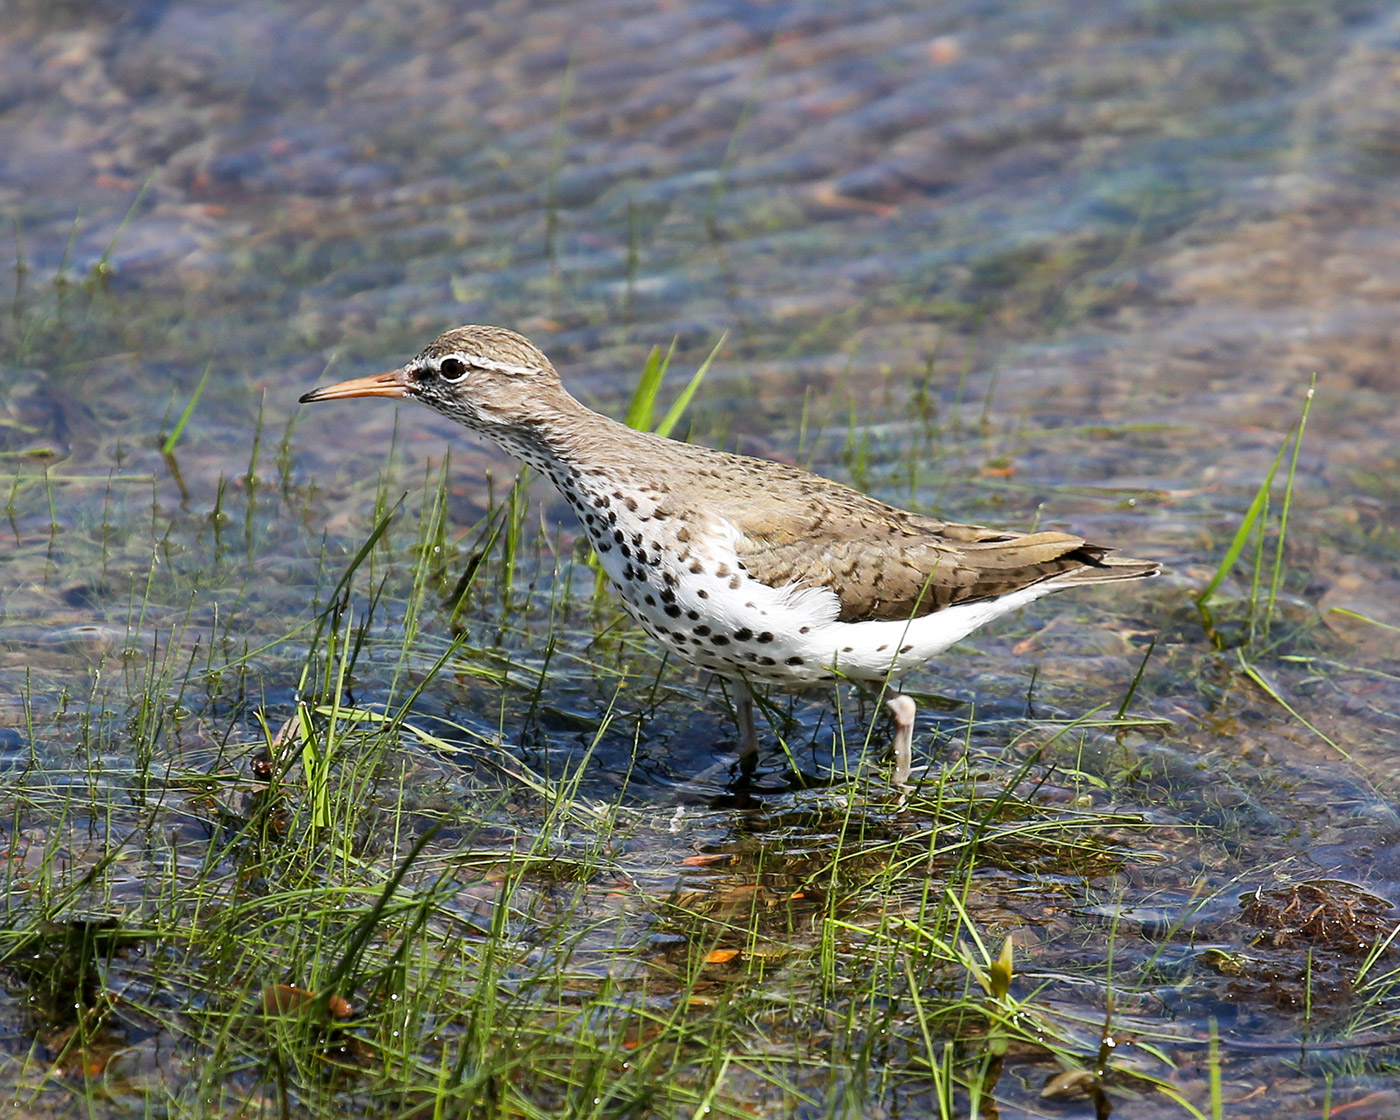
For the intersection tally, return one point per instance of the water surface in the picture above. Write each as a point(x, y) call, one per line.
point(1012, 263)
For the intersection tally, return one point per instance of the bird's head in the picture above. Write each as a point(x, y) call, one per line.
point(488, 378)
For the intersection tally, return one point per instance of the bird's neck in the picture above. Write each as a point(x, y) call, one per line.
point(561, 432)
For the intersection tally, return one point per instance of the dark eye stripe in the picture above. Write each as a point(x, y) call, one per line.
point(452, 369)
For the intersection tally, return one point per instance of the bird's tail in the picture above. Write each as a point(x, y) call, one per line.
point(1107, 569)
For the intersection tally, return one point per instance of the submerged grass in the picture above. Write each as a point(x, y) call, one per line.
point(419, 849)
point(388, 891)
point(314, 934)
point(167, 447)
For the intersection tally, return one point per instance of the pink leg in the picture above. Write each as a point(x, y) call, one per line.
point(902, 708)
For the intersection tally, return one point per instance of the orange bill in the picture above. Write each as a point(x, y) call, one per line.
point(395, 383)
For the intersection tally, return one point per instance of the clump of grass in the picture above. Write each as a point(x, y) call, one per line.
point(42, 319)
point(1267, 573)
point(358, 901)
point(355, 860)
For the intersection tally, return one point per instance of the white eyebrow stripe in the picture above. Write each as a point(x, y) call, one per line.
point(494, 367)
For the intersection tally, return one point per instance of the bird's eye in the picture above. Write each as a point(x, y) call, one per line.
point(452, 369)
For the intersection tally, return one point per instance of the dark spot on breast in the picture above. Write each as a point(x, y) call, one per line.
point(743, 635)
point(736, 583)
point(849, 649)
point(882, 648)
point(766, 636)
point(604, 546)
point(650, 601)
point(803, 629)
point(794, 661)
point(702, 630)
point(673, 610)
point(722, 571)
point(719, 640)
point(632, 504)
point(905, 649)
point(702, 594)
point(766, 661)
point(618, 536)
point(682, 534)
point(612, 517)
point(696, 567)
point(692, 615)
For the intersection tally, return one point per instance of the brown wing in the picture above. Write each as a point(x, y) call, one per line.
point(884, 563)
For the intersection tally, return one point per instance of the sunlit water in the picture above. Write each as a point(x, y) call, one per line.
point(1060, 264)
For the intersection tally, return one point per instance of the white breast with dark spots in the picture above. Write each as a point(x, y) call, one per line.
point(687, 587)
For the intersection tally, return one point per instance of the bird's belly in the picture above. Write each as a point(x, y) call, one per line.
point(734, 637)
point(746, 633)
point(709, 612)
point(719, 618)
point(874, 651)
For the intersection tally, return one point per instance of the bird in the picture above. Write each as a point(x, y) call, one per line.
point(760, 572)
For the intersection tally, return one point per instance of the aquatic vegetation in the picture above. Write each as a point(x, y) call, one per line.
point(335, 785)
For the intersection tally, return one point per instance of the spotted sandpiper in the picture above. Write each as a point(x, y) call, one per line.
point(755, 570)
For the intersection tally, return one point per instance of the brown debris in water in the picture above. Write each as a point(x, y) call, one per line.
point(1323, 913)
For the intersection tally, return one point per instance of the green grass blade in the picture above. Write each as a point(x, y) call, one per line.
point(1247, 526)
point(1347, 612)
point(333, 601)
point(1137, 680)
point(380, 528)
point(556, 159)
point(364, 929)
point(1277, 576)
point(642, 407)
point(174, 437)
point(315, 766)
point(1269, 690)
point(673, 415)
point(103, 266)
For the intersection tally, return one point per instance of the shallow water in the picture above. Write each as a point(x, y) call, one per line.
point(1010, 263)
